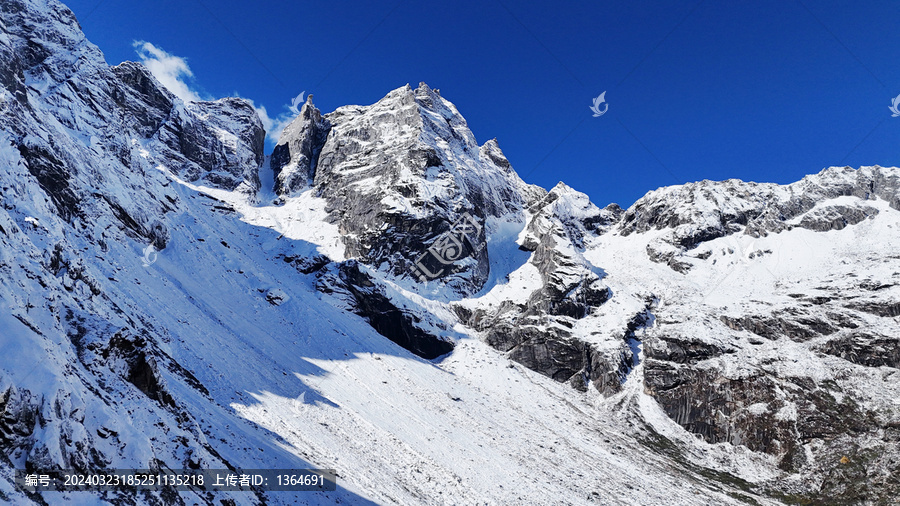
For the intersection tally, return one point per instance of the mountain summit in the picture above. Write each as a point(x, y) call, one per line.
point(407, 168)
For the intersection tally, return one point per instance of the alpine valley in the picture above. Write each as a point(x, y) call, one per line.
point(383, 296)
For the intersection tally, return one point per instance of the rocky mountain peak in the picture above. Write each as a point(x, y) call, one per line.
point(294, 158)
point(490, 150)
point(866, 183)
point(131, 119)
point(686, 216)
point(398, 174)
point(55, 48)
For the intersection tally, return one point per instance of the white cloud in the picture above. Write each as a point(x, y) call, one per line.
point(267, 122)
point(175, 74)
point(274, 126)
point(170, 70)
point(278, 125)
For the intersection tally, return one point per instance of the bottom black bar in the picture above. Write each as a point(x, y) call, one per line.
point(199, 480)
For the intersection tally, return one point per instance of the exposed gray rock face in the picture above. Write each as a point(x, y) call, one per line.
point(742, 384)
point(218, 144)
point(790, 368)
point(575, 213)
point(836, 217)
point(807, 424)
point(398, 175)
point(297, 153)
point(866, 349)
point(535, 332)
point(367, 298)
point(402, 178)
point(759, 405)
point(145, 104)
point(698, 212)
point(81, 146)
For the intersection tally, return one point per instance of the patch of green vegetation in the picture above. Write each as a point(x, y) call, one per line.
point(744, 498)
point(726, 478)
point(664, 446)
point(794, 498)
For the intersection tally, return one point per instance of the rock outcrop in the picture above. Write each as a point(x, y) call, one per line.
point(398, 176)
point(695, 213)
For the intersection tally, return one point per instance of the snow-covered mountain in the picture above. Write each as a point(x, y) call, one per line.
point(398, 305)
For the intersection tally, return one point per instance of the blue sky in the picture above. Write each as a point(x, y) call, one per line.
point(765, 90)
